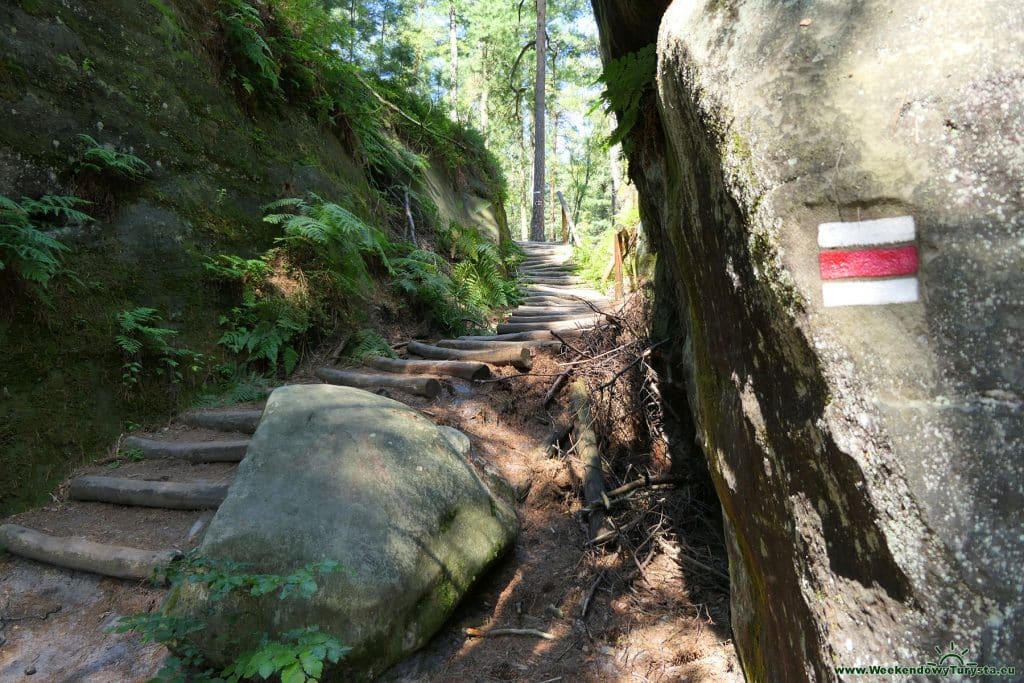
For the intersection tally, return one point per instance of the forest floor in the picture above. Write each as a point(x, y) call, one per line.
point(652, 605)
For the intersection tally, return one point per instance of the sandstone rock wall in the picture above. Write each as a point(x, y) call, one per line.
point(868, 458)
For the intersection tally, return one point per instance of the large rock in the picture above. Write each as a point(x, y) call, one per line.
point(868, 458)
point(335, 473)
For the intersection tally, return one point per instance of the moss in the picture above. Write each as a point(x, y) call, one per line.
point(13, 80)
point(64, 404)
point(434, 608)
point(34, 7)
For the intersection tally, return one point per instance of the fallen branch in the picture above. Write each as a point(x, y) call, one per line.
point(479, 633)
point(590, 456)
point(567, 344)
point(505, 379)
point(637, 484)
point(635, 361)
point(339, 349)
point(412, 223)
point(555, 386)
point(600, 355)
point(555, 437)
point(678, 554)
point(590, 594)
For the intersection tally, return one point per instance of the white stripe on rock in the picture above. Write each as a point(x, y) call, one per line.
point(869, 292)
point(881, 231)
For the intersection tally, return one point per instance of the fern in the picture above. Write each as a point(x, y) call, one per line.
point(263, 333)
point(25, 248)
point(335, 235)
point(143, 342)
point(102, 160)
point(251, 273)
point(625, 81)
point(242, 28)
point(239, 388)
point(367, 342)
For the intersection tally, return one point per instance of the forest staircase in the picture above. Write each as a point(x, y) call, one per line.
point(136, 512)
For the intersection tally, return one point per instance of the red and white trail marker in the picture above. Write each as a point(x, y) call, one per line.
point(868, 263)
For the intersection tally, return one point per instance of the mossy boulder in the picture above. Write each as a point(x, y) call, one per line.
point(335, 473)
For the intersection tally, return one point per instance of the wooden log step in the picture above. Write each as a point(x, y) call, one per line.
point(559, 290)
point(519, 358)
point(84, 555)
point(527, 275)
point(546, 270)
point(421, 386)
point(453, 368)
point(191, 451)
point(536, 335)
point(551, 299)
point(474, 345)
point(506, 328)
point(560, 301)
point(539, 244)
point(235, 420)
point(552, 310)
point(559, 317)
point(176, 495)
point(534, 261)
point(567, 281)
point(567, 293)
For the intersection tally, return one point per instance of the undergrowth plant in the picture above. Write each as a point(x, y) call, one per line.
point(266, 326)
point(234, 387)
point(254, 66)
point(288, 52)
point(146, 346)
point(296, 656)
point(26, 249)
point(367, 342)
point(107, 161)
point(332, 234)
point(625, 81)
point(460, 297)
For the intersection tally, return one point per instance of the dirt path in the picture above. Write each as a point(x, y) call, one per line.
point(632, 610)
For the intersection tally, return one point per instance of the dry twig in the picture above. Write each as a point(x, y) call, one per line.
point(480, 633)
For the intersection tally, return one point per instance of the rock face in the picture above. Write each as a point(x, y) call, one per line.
point(868, 458)
point(160, 91)
point(335, 473)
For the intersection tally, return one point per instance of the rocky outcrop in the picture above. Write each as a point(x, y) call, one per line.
point(867, 457)
point(153, 79)
point(335, 473)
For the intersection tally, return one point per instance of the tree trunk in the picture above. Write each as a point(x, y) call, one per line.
point(453, 59)
point(539, 200)
point(353, 36)
point(383, 38)
point(613, 159)
point(555, 120)
point(485, 92)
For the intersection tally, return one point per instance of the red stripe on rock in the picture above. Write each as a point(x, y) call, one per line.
point(868, 263)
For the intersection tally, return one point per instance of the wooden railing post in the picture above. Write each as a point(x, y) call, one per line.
point(617, 245)
point(568, 226)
